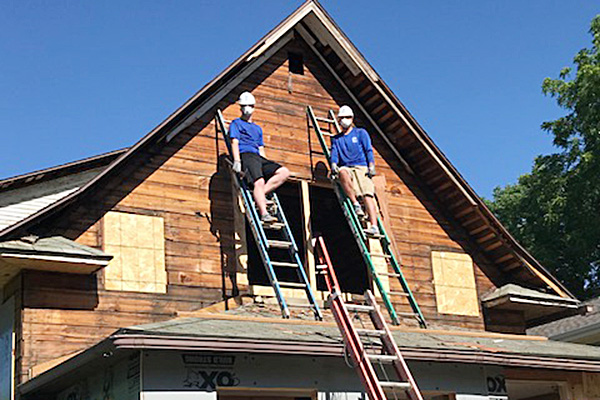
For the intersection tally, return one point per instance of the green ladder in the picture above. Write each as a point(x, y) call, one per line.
point(360, 234)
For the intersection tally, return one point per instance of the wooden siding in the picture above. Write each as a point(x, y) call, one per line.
point(183, 182)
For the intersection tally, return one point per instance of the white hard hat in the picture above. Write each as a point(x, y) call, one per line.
point(345, 111)
point(246, 99)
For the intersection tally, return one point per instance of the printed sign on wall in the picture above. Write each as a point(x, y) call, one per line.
point(206, 372)
point(496, 385)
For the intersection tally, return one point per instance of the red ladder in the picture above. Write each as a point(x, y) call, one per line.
point(363, 360)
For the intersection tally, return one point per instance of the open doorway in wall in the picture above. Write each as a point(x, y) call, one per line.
point(266, 393)
point(535, 390)
point(328, 219)
point(289, 196)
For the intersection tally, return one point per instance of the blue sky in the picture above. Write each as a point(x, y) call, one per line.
point(83, 78)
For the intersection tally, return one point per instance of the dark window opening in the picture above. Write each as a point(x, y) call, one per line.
point(296, 63)
point(328, 219)
point(291, 202)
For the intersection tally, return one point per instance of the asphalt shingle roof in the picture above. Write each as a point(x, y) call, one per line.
point(50, 245)
point(327, 334)
point(572, 323)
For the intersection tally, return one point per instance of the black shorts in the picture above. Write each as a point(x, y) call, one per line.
point(256, 167)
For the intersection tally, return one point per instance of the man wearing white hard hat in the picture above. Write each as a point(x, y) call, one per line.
point(352, 160)
point(248, 150)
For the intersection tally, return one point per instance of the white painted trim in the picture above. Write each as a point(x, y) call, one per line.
point(60, 259)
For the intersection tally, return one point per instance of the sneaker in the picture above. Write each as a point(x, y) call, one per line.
point(358, 210)
point(268, 218)
point(372, 231)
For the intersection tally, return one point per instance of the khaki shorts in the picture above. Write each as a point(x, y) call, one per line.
point(363, 185)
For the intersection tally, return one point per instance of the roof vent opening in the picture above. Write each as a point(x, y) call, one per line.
point(296, 63)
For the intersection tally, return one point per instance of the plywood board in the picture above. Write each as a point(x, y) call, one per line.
point(454, 280)
point(137, 243)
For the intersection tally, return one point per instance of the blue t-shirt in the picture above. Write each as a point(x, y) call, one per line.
point(249, 134)
point(351, 149)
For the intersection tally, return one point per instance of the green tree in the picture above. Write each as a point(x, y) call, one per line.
point(554, 210)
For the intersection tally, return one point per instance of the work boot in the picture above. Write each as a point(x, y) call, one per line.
point(358, 210)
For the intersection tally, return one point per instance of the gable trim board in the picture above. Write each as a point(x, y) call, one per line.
point(495, 241)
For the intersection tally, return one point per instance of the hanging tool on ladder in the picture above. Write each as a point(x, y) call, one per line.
point(362, 354)
point(361, 236)
point(270, 236)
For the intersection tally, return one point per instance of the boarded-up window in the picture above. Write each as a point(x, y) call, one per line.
point(137, 243)
point(455, 289)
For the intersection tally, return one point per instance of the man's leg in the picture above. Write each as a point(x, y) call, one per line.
point(371, 209)
point(348, 185)
point(278, 179)
point(259, 196)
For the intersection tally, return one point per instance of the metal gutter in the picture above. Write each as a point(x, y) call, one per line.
point(480, 356)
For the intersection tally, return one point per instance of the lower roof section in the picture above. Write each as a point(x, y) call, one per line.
point(233, 333)
point(53, 254)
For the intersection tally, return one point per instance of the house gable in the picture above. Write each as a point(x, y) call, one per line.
point(398, 129)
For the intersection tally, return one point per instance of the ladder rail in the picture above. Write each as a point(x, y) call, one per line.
point(388, 341)
point(387, 244)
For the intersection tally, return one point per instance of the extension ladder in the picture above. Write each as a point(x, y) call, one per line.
point(361, 236)
point(270, 236)
point(360, 341)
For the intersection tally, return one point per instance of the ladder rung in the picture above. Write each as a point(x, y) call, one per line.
point(381, 255)
point(392, 274)
point(327, 134)
point(359, 308)
point(284, 264)
point(407, 314)
point(279, 244)
point(370, 332)
point(297, 305)
point(322, 119)
point(292, 285)
point(383, 358)
point(395, 385)
point(273, 225)
point(321, 266)
point(404, 294)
